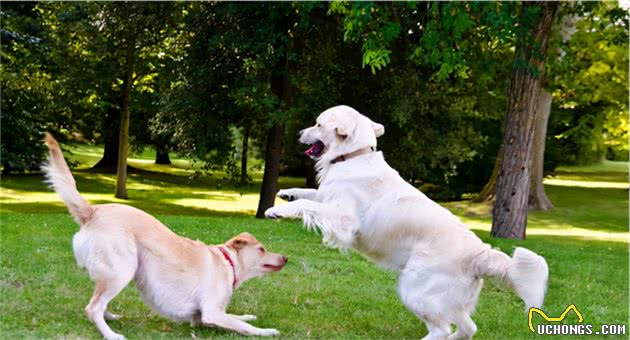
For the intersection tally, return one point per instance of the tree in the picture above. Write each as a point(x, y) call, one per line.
point(28, 89)
point(538, 199)
point(123, 141)
point(513, 181)
point(137, 39)
point(282, 88)
point(588, 79)
point(458, 54)
point(89, 57)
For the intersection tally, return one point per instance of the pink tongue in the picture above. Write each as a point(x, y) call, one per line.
point(315, 149)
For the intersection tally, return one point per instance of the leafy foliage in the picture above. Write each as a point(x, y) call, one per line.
point(434, 73)
point(28, 89)
point(589, 76)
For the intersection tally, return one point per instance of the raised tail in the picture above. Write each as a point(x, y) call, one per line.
point(525, 271)
point(60, 179)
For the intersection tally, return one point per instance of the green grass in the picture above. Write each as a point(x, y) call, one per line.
point(321, 293)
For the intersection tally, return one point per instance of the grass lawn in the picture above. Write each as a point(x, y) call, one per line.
point(321, 293)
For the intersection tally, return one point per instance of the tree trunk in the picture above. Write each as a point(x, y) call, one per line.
point(161, 154)
point(246, 130)
point(111, 129)
point(488, 192)
point(538, 199)
point(123, 146)
point(281, 86)
point(269, 186)
point(311, 175)
point(512, 188)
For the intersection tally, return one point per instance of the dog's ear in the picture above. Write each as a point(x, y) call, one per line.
point(341, 132)
point(344, 125)
point(241, 240)
point(379, 129)
point(237, 243)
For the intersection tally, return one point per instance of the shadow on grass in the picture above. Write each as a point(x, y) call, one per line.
point(602, 176)
point(591, 208)
point(596, 209)
point(153, 209)
point(156, 193)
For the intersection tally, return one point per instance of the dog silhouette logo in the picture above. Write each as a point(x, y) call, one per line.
point(569, 308)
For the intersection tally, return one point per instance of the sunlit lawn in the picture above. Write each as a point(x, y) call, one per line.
point(321, 293)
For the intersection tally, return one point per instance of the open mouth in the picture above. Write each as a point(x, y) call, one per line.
point(272, 268)
point(315, 150)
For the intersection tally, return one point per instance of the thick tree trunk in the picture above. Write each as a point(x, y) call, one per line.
point(269, 186)
point(161, 154)
point(244, 150)
point(538, 199)
point(512, 188)
point(488, 191)
point(123, 146)
point(111, 131)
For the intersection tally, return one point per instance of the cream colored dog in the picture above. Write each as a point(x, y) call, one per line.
point(363, 204)
point(179, 278)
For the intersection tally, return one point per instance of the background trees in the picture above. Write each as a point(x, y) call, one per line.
point(214, 81)
point(514, 177)
point(26, 89)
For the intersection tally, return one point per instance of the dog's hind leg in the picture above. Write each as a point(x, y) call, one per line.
point(466, 327)
point(425, 292)
point(104, 292)
point(437, 330)
point(111, 267)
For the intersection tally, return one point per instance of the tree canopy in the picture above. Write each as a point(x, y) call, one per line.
point(221, 81)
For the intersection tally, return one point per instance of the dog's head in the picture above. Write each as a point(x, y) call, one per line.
point(338, 131)
point(253, 258)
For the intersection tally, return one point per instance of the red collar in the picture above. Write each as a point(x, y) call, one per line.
point(229, 259)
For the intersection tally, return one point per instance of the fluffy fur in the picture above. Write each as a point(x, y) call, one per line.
point(179, 278)
point(363, 204)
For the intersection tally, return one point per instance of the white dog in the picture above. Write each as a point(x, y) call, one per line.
point(179, 278)
point(363, 204)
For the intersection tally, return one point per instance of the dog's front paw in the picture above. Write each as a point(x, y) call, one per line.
point(286, 195)
point(268, 332)
point(273, 213)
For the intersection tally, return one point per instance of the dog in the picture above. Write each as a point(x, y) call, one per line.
point(364, 204)
point(179, 278)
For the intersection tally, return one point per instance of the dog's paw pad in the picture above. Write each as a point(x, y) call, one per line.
point(285, 196)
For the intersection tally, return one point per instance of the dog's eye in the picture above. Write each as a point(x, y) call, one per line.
point(262, 250)
point(317, 125)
